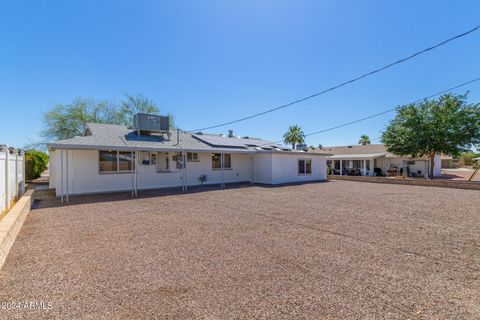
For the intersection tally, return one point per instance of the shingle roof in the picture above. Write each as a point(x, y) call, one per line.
point(108, 136)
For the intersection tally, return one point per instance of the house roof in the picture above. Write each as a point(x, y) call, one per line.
point(107, 136)
point(356, 156)
point(366, 151)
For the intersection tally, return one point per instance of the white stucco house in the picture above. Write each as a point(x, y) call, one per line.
point(109, 158)
point(374, 159)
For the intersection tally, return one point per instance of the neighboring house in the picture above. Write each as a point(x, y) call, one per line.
point(447, 161)
point(374, 159)
point(115, 158)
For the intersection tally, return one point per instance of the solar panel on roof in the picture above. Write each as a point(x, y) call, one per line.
point(224, 141)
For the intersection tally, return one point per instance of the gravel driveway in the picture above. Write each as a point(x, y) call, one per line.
point(336, 250)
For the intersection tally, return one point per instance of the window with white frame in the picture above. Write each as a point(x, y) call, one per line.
point(304, 166)
point(192, 157)
point(163, 162)
point(116, 161)
point(144, 158)
point(216, 161)
point(178, 158)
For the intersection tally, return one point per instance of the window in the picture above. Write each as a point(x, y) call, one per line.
point(125, 161)
point(115, 161)
point(144, 158)
point(357, 164)
point(410, 162)
point(216, 161)
point(178, 160)
point(304, 166)
point(108, 161)
point(192, 156)
point(163, 163)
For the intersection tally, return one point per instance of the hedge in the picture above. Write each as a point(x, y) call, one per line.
point(35, 163)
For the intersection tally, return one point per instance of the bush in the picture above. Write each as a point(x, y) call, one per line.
point(35, 163)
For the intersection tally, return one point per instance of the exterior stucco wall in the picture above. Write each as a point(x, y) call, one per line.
point(263, 168)
point(84, 176)
point(285, 168)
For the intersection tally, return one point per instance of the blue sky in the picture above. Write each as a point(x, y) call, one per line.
point(213, 61)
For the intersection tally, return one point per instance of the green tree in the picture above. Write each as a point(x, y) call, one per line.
point(64, 121)
point(134, 104)
point(35, 163)
point(364, 140)
point(294, 136)
point(466, 158)
point(445, 125)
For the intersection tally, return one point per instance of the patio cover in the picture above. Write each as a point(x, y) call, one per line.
point(356, 156)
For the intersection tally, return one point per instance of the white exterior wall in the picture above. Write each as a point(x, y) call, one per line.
point(263, 168)
point(283, 168)
point(84, 176)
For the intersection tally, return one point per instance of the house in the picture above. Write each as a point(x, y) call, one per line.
point(374, 159)
point(109, 158)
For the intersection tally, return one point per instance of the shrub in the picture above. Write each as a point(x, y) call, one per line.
point(35, 163)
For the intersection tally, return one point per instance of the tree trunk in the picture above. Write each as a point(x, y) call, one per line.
point(432, 166)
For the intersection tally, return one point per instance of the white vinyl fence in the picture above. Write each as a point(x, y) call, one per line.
point(12, 176)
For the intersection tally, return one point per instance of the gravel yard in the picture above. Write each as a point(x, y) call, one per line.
point(336, 250)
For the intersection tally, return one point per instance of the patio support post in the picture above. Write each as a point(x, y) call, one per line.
point(222, 158)
point(133, 174)
point(364, 168)
point(61, 175)
point(66, 173)
point(136, 174)
point(341, 168)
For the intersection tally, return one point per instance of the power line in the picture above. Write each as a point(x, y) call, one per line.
point(386, 111)
point(343, 83)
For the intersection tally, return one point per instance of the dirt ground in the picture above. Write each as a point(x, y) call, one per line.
point(334, 250)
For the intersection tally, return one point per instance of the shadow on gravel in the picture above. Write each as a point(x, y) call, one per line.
point(144, 194)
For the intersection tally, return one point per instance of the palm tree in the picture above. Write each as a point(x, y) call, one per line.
point(294, 136)
point(364, 140)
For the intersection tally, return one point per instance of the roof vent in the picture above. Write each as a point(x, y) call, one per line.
point(199, 133)
point(148, 123)
point(230, 133)
point(349, 147)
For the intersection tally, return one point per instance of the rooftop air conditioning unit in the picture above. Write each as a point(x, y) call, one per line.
point(301, 147)
point(151, 123)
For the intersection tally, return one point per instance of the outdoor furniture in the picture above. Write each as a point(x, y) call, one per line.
point(378, 172)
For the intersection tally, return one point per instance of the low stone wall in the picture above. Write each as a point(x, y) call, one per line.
point(11, 224)
point(413, 182)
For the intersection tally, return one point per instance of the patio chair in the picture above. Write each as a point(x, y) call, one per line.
point(378, 172)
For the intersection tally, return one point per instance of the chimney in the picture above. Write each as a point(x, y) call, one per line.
point(230, 133)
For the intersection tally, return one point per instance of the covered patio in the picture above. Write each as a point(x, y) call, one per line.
point(354, 165)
